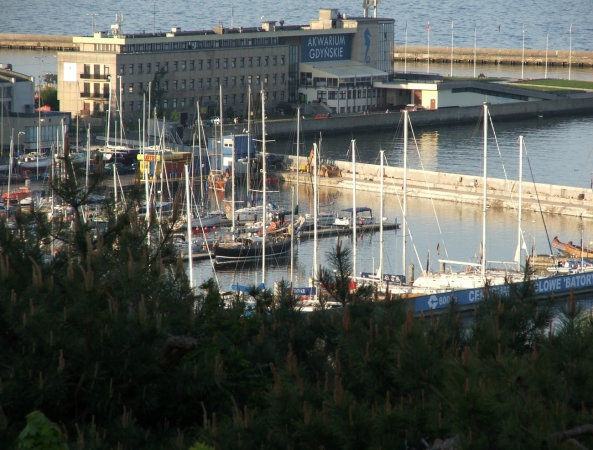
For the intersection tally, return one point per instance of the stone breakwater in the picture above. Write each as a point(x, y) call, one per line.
point(547, 198)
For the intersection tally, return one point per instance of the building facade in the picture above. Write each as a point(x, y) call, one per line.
point(221, 67)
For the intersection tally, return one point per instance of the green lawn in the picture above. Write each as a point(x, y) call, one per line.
point(555, 83)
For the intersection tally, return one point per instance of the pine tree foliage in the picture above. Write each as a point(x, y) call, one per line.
point(107, 340)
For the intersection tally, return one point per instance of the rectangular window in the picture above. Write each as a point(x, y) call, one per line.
point(139, 106)
point(274, 96)
point(241, 98)
point(274, 78)
point(233, 98)
point(174, 85)
point(248, 79)
point(281, 95)
point(122, 69)
point(183, 102)
point(165, 85)
point(191, 84)
point(140, 88)
point(250, 62)
point(165, 104)
point(174, 66)
point(281, 78)
point(257, 80)
point(266, 60)
point(225, 82)
point(157, 67)
point(275, 60)
point(183, 85)
point(166, 66)
point(208, 83)
point(208, 64)
point(225, 63)
point(266, 78)
point(200, 84)
point(130, 88)
point(183, 63)
point(139, 68)
point(233, 81)
point(200, 64)
point(131, 106)
point(242, 80)
point(174, 105)
point(216, 82)
point(242, 62)
point(234, 63)
point(281, 60)
point(123, 87)
point(217, 63)
point(259, 61)
point(148, 67)
point(225, 100)
point(192, 65)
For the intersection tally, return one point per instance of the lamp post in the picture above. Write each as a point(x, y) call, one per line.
point(18, 141)
point(38, 143)
point(93, 15)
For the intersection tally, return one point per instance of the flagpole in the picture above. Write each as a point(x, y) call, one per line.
point(451, 75)
point(570, 51)
point(546, 69)
point(523, 53)
point(475, 41)
point(406, 51)
point(428, 59)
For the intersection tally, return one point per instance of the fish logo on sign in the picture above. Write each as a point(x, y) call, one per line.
point(367, 44)
point(433, 301)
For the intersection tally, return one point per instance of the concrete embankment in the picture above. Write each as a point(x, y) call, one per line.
point(37, 42)
point(469, 114)
point(547, 198)
point(465, 55)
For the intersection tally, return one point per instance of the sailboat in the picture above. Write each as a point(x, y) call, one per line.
point(273, 242)
point(475, 275)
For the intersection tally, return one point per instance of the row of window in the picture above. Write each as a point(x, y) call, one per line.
point(224, 63)
point(174, 103)
point(205, 83)
point(196, 45)
point(343, 95)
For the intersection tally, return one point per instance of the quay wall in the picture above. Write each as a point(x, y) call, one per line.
point(466, 114)
point(461, 188)
point(37, 42)
point(506, 56)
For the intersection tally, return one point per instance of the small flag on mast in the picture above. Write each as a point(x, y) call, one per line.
point(439, 248)
point(570, 29)
point(451, 24)
point(428, 26)
point(499, 29)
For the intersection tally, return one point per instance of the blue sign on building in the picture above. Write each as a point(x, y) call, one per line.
point(304, 291)
point(334, 47)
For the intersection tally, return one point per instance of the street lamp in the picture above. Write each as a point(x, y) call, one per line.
point(39, 142)
point(18, 141)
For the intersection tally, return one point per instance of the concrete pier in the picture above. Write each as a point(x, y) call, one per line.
point(547, 198)
point(506, 56)
point(37, 42)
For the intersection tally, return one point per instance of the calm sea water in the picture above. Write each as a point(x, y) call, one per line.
point(559, 149)
point(535, 18)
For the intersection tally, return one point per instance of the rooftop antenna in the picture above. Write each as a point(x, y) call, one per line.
point(116, 29)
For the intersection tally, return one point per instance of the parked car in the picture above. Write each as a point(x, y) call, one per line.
point(215, 120)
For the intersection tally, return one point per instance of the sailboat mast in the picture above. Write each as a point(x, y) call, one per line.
point(520, 212)
point(264, 179)
point(189, 240)
point(405, 187)
point(248, 183)
point(297, 155)
point(485, 192)
point(234, 225)
point(353, 210)
point(315, 264)
point(382, 175)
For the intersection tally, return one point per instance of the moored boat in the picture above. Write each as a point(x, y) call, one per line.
point(571, 249)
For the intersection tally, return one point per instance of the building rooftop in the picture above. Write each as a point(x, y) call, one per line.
point(7, 76)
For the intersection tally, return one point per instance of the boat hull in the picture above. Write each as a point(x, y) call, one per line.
point(571, 249)
point(230, 253)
